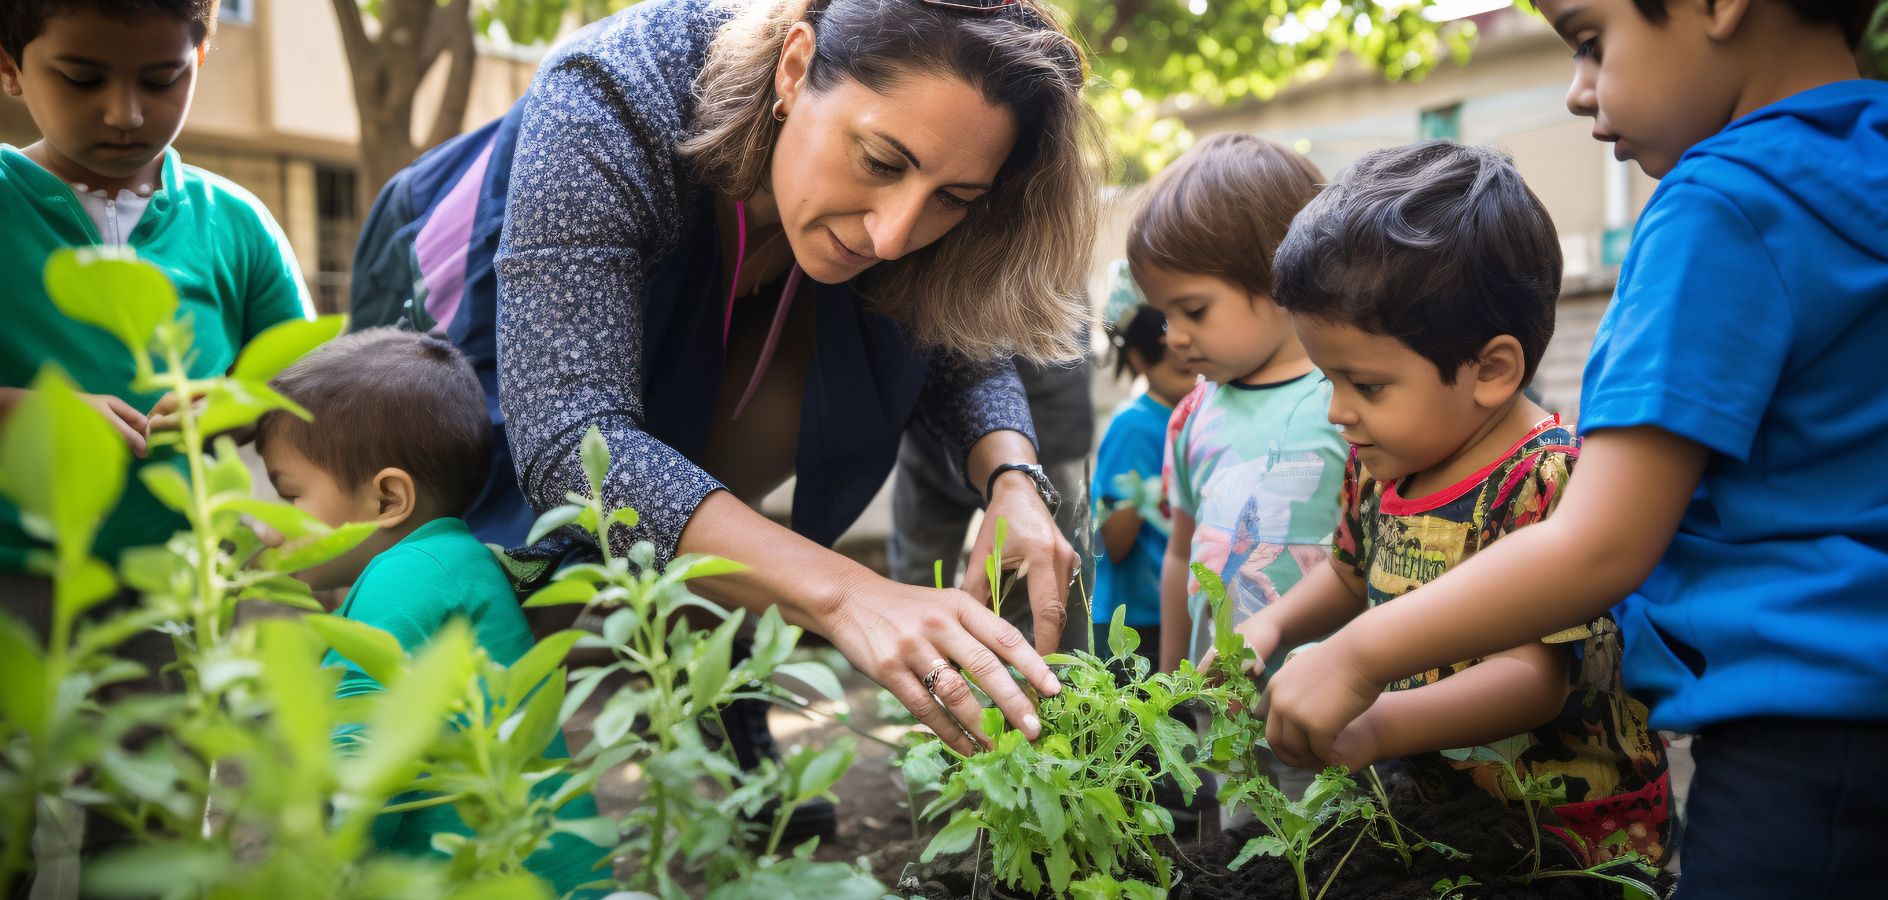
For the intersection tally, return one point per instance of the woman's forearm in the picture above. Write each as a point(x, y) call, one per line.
point(806, 581)
point(995, 449)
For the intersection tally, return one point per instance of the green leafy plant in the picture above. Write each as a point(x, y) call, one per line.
point(1074, 812)
point(1537, 795)
point(235, 785)
point(677, 676)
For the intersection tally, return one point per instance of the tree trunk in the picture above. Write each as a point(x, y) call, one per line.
point(387, 68)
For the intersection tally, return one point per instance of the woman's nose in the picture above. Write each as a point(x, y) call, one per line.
point(892, 225)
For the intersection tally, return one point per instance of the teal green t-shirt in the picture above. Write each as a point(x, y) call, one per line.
point(235, 276)
point(1259, 469)
point(438, 573)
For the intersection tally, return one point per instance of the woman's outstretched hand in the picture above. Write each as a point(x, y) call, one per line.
point(1032, 546)
point(901, 636)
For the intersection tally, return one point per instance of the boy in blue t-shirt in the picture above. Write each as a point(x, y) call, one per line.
point(1727, 486)
point(400, 439)
point(1130, 509)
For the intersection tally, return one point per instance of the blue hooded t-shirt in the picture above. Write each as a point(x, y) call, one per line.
point(1751, 316)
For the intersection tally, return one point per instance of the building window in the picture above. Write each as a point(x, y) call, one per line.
point(236, 12)
point(1441, 123)
point(337, 223)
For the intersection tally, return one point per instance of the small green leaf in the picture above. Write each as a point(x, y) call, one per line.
point(278, 347)
point(526, 734)
point(376, 652)
point(61, 463)
point(626, 517)
point(708, 673)
point(408, 718)
point(108, 286)
point(228, 474)
point(299, 554)
point(955, 837)
point(554, 518)
point(562, 593)
point(696, 565)
point(283, 590)
point(1046, 801)
point(24, 699)
point(595, 453)
point(1263, 845)
point(598, 830)
point(813, 774)
point(815, 675)
point(516, 886)
point(524, 675)
point(285, 520)
point(167, 485)
point(1122, 640)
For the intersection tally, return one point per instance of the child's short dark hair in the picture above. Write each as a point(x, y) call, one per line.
point(385, 397)
point(1222, 208)
point(1144, 332)
point(1440, 246)
point(1849, 15)
point(23, 20)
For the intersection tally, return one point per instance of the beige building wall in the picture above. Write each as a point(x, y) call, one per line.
point(1511, 95)
point(274, 112)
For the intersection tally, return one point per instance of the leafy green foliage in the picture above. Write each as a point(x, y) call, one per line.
point(697, 804)
point(1155, 58)
point(1074, 812)
point(255, 779)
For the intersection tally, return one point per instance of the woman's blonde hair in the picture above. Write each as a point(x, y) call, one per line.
point(1007, 280)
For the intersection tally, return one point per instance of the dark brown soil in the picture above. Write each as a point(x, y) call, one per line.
point(1494, 837)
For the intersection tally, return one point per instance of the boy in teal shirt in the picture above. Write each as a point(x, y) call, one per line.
point(108, 85)
point(400, 439)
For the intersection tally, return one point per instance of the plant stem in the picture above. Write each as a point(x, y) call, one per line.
point(1533, 826)
point(780, 826)
point(1298, 869)
point(1340, 862)
point(1383, 800)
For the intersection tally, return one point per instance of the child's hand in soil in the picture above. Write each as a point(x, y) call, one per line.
point(1317, 694)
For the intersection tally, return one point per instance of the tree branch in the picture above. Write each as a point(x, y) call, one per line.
point(443, 28)
point(449, 119)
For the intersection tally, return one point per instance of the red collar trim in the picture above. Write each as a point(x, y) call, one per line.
point(1396, 504)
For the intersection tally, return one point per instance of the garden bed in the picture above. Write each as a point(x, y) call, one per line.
point(1494, 837)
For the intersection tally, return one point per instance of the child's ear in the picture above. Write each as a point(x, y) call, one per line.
point(1499, 370)
point(396, 496)
point(1723, 17)
point(10, 75)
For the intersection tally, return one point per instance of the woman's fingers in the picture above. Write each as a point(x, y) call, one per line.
point(1007, 643)
point(910, 691)
point(995, 680)
point(1048, 597)
point(949, 687)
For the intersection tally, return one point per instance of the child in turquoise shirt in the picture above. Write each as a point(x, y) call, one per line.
point(400, 439)
point(1253, 468)
point(108, 89)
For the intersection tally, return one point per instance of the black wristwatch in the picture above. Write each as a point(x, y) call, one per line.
point(1050, 497)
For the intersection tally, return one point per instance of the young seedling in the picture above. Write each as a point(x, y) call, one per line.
point(1530, 791)
point(679, 675)
point(1078, 804)
point(1294, 830)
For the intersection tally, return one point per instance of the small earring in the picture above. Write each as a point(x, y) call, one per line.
point(780, 109)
